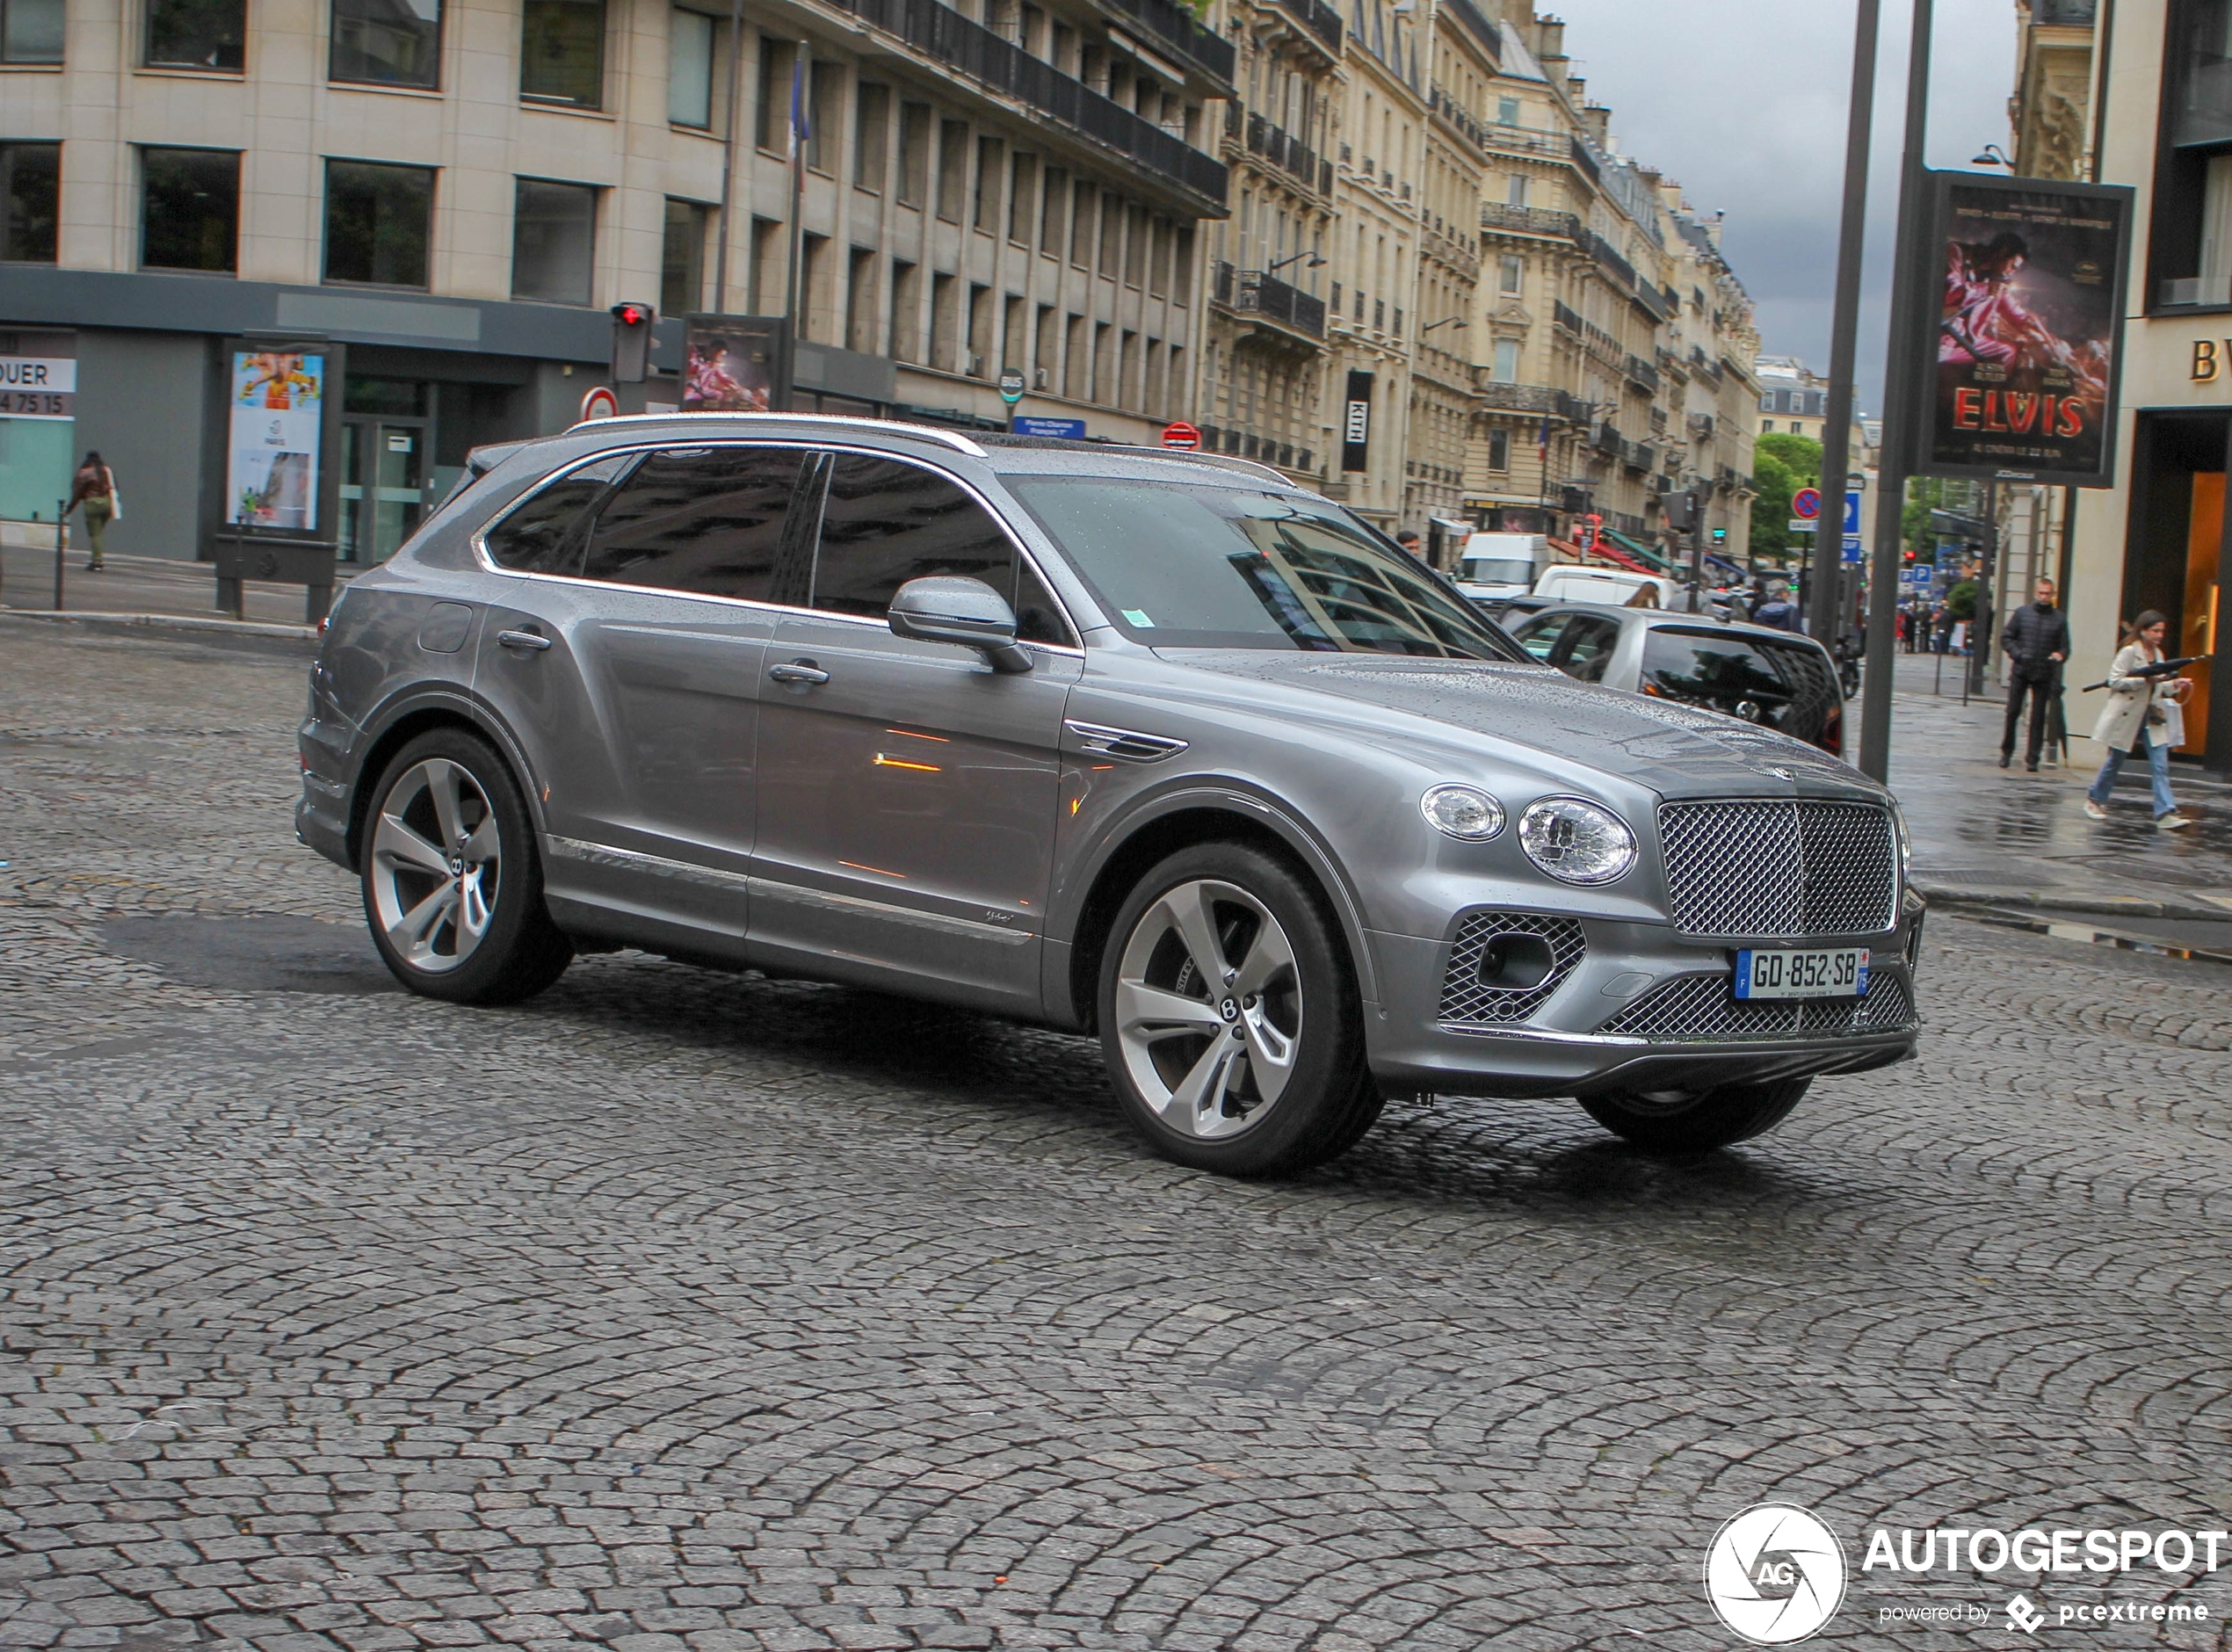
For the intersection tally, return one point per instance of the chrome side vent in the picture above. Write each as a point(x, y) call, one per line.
point(1129, 744)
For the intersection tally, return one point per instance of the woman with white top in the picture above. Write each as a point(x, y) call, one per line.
point(2141, 718)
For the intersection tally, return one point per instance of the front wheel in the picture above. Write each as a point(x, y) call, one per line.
point(452, 888)
point(1676, 1122)
point(1229, 1018)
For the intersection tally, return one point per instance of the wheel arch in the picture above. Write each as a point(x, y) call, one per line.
point(398, 725)
point(1178, 821)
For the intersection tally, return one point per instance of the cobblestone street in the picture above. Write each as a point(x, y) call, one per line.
point(675, 1310)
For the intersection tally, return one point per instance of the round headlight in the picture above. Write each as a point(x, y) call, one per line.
point(1462, 811)
point(1576, 841)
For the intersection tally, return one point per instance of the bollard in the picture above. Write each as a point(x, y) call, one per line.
point(61, 548)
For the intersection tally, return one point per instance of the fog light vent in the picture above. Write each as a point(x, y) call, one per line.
point(1504, 966)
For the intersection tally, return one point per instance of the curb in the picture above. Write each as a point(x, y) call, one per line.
point(171, 622)
point(2085, 905)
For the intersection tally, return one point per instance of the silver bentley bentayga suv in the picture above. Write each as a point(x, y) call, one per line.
point(1161, 748)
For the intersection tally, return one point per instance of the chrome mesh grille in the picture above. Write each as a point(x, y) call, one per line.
point(1704, 1009)
point(1780, 867)
point(1466, 997)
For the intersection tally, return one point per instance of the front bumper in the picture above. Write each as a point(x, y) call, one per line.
point(1642, 1009)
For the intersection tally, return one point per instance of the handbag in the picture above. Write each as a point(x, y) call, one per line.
point(115, 499)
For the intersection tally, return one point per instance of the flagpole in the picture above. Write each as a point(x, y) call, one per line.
point(801, 72)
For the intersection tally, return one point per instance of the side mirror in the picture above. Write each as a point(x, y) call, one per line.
point(951, 608)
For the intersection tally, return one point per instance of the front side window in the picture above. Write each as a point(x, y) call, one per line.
point(554, 241)
point(31, 30)
point(386, 42)
point(378, 223)
point(561, 51)
point(705, 520)
point(886, 522)
point(31, 176)
point(190, 210)
point(197, 33)
point(688, 73)
point(1178, 566)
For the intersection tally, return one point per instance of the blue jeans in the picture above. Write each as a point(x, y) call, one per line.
point(2157, 763)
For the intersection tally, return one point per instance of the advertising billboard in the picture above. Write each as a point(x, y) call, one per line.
point(734, 364)
point(275, 439)
point(2026, 329)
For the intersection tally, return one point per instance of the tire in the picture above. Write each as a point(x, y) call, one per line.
point(452, 888)
point(1262, 1080)
point(1732, 1113)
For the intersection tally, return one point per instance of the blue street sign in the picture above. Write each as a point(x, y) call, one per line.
point(1852, 550)
point(1072, 429)
point(1852, 513)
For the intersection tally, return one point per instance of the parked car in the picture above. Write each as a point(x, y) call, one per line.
point(1758, 674)
point(1155, 747)
point(1591, 581)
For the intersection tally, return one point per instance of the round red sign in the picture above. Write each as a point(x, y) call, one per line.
point(1180, 435)
point(599, 403)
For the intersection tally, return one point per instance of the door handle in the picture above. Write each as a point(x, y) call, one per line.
point(798, 672)
point(534, 642)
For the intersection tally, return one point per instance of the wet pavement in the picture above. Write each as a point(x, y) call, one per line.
point(132, 584)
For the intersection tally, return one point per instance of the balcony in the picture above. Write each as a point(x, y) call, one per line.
point(1702, 426)
point(1640, 456)
point(1174, 27)
point(939, 32)
point(1254, 293)
point(1566, 316)
point(1639, 372)
point(1529, 221)
point(1598, 248)
point(1286, 152)
point(1704, 366)
point(1532, 398)
point(1319, 19)
point(1607, 439)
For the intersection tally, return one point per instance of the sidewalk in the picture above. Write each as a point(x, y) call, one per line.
point(133, 585)
point(2016, 841)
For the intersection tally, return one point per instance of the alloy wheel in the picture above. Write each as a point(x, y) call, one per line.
point(435, 862)
point(1208, 1008)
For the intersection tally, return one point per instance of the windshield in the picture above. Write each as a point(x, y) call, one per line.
point(1179, 566)
point(1495, 570)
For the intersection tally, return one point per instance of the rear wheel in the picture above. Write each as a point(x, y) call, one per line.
point(1679, 1121)
point(452, 888)
point(1229, 1018)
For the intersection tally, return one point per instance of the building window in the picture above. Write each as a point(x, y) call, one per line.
point(561, 51)
point(31, 30)
point(871, 135)
point(824, 109)
point(953, 168)
point(1507, 361)
point(379, 220)
point(1515, 189)
point(914, 153)
point(196, 33)
point(1766, 427)
point(554, 241)
point(772, 118)
point(990, 152)
point(689, 68)
point(190, 210)
point(385, 44)
point(1022, 202)
point(1512, 274)
point(682, 257)
point(1499, 449)
point(1507, 112)
point(31, 176)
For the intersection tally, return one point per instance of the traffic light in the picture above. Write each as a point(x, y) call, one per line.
point(1681, 511)
point(632, 342)
point(1720, 536)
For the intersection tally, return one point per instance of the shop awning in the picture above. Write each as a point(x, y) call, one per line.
point(1654, 559)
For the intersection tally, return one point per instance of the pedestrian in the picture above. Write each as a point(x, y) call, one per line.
point(2141, 718)
point(2037, 639)
point(1775, 607)
point(1409, 540)
point(94, 487)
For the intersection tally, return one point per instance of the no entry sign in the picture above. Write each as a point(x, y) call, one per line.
point(1182, 436)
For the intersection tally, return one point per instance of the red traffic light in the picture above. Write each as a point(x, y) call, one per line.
point(631, 314)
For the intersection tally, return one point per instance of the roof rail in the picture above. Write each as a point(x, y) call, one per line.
point(950, 438)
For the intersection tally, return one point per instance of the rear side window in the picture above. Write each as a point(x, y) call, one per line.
point(705, 520)
point(886, 522)
point(543, 532)
point(1586, 649)
point(1790, 686)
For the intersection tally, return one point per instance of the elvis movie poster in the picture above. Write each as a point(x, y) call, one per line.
point(2029, 277)
point(736, 365)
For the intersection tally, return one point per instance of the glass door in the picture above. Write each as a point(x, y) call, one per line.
point(383, 485)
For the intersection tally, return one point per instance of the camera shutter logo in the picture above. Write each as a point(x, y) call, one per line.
point(1775, 1573)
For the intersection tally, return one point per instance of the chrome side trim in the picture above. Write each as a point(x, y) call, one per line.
point(884, 911)
point(1126, 743)
point(636, 860)
point(1588, 1040)
point(951, 438)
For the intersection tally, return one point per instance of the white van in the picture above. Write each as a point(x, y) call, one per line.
point(1501, 564)
point(1618, 587)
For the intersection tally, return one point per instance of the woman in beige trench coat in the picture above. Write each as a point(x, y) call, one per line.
point(2141, 718)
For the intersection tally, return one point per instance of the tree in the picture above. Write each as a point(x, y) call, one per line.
point(1799, 455)
point(1771, 502)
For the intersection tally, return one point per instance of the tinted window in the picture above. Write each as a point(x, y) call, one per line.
point(542, 536)
point(1538, 636)
point(708, 520)
point(886, 522)
point(1585, 649)
point(1789, 687)
point(1235, 567)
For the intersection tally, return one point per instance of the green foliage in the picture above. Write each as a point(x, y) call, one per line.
point(1960, 601)
point(1799, 455)
point(1771, 502)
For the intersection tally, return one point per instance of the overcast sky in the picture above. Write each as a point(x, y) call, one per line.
point(1744, 103)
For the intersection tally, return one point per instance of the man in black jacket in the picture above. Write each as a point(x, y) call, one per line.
point(2037, 640)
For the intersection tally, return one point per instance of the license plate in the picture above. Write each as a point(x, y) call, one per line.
point(1832, 972)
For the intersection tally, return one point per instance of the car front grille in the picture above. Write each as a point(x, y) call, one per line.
point(1704, 1009)
point(1781, 867)
point(1466, 997)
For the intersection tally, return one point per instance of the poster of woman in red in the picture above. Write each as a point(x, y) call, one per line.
point(2028, 324)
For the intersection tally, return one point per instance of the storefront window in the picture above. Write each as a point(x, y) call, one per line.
point(190, 210)
point(31, 179)
point(31, 30)
point(554, 241)
point(561, 51)
point(386, 42)
point(197, 33)
point(378, 223)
